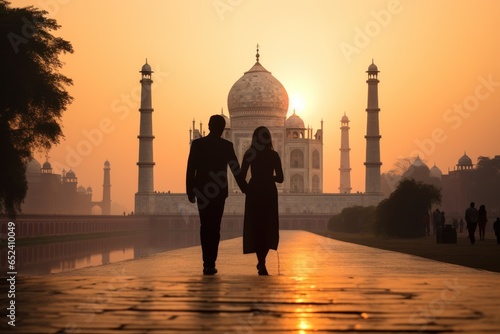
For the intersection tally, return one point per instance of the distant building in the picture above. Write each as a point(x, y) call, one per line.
point(50, 193)
point(419, 171)
point(458, 186)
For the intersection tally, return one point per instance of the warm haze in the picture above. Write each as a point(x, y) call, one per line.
point(439, 88)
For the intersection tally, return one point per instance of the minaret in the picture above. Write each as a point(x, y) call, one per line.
point(146, 163)
point(373, 163)
point(345, 164)
point(106, 190)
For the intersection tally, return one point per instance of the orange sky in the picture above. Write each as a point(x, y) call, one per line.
point(439, 88)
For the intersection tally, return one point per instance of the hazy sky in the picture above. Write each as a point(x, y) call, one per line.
point(439, 88)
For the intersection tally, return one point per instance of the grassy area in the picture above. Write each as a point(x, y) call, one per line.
point(483, 255)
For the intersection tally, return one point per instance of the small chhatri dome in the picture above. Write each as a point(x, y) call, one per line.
point(436, 172)
point(81, 189)
point(464, 161)
point(372, 67)
point(257, 92)
point(106, 163)
point(33, 167)
point(146, 67)
point(294, 122)
point(345, 119)
point(89, 190)
point(70, 174)
point(47, 165)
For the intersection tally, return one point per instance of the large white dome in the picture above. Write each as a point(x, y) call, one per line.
point(257, 93)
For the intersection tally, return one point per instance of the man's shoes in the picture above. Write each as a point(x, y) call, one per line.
point(209, 271)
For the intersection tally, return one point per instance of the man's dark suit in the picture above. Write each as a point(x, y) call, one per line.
point(206, 179)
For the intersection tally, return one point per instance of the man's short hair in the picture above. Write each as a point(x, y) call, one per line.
point(216, 124)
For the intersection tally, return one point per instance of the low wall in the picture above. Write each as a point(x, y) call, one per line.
point(56, 225)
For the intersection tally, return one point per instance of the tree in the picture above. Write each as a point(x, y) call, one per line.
point(402, 214)
point(33, 95)
point(354, 219)
point(487, 185)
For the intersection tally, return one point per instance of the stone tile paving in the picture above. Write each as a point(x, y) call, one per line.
point(323, 286)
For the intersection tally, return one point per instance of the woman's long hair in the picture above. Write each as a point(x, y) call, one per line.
point(261, 139)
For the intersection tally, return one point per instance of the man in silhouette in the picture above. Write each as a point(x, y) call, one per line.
point(496, 228)
point(207, 185)
point(471, 218)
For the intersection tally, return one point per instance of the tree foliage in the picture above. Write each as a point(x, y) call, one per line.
point(354, 219)
point(33, 95)
point(402, 213)
point(487, 185)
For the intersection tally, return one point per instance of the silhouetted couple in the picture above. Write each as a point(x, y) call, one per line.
point(207, 184)
point(475, 218)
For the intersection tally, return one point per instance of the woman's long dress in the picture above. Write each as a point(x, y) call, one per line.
point(261, 222)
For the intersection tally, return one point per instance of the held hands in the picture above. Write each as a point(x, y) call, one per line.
point(243, 187)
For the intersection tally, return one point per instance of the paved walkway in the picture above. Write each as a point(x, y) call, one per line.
point(317, 285)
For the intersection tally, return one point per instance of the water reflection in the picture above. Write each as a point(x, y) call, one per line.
point(48, 258)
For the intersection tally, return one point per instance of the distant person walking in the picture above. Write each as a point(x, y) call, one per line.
point(207, 184)
point(483, 219)
point(436, 221)
point(427, 223)
point(496, 228)
point(261, 221)
point(471, 218)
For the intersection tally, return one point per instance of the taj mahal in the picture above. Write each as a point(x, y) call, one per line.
point(259, 99)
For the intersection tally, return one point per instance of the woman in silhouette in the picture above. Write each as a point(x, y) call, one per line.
point(482, 221)
point(260, 228)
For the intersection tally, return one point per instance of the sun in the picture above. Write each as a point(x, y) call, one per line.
point(297, 103)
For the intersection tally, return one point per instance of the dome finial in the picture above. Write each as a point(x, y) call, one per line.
point(146, 60)
point(257, 55)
